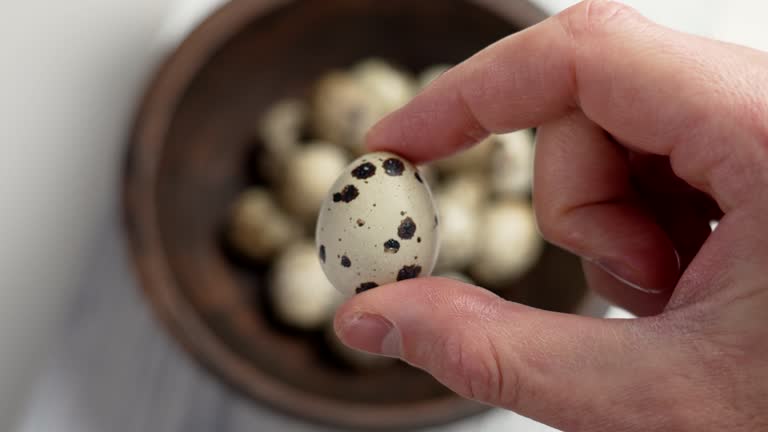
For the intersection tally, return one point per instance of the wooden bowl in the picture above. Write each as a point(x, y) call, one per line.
point(187, 162)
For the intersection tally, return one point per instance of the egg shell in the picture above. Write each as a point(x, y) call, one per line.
point(428, 173)
point(300, 294)
point(509, 243)
point(257, 226)
point(391, 87)
point(471, 188)
point(308, 175)
point(458, 231)
point(281, 126)
point(476, 158)
point(343, 110)
point(512, 165)
point(378, 225)
point(461, 277)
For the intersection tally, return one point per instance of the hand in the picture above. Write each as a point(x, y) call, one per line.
point(645, 135)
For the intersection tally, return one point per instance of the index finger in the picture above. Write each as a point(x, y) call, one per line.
point(649, 87)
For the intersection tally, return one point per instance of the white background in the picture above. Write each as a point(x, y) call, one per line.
point(70, 74)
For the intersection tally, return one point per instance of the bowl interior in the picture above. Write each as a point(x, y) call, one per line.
point(204, 146)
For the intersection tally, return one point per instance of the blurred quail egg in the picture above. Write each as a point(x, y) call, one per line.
point(391, 87)
point(512, 165)
point(476, 158)
point(432, 73)
point(378, 225)
point(509, 243)
point(257, 227)
point(352, 357)
point(301, 296)
point(458, 231)
point(343, 110)
point(280, 127)
point(307, 176)
point(471, 188)
point(461, 277)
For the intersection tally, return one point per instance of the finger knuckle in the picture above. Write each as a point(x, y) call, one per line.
point(593, 17)
point(554, 226)
point(473, 370)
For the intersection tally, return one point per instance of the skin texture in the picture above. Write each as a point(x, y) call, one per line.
point(646, 135)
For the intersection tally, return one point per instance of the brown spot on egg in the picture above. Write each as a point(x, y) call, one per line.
point(365, 286)
point(345, 261)
point(393, 167)
point(364, 171)
point(347, 194)
point(418, 239)
point(409, 272)
point(322, 253)
point(391, 246)
point(436, 221)
point(406, 229)
point(402, 213)
point(361, 222)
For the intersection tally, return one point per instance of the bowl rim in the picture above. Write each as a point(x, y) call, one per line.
point(149, 259)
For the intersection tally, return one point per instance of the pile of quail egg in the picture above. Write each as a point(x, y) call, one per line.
point(487, 232)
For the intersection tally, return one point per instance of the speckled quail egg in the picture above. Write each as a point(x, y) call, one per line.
point(307, 176)
point(378, 225)
point(431, 73)
point(300, 294)
point(352, 357)
point(343, 110)
point(390, 86)
point(428, 173)
point(458, 231)
point(281, 126)
point(476, 158)
point(512, 165)
point(469, 187)
point(509, 243)
point(257, 226)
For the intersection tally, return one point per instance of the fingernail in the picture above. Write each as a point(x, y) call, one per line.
point(368, 332)
point(624, 273)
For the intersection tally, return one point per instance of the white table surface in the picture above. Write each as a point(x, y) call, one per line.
point(112, 368)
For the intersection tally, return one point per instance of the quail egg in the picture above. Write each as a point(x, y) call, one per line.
point(391, 87)
point(257, 226)
point(509, 243)
point(343, 110)
point(301, 296)
point(476, 158)
point(280, 127)
point(512, 165)
point(471, 188)
point(461, 277)
point(378, 225)
point(458, 231)
point(307, 176)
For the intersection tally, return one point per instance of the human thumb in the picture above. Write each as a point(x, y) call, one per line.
point(564, 370)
